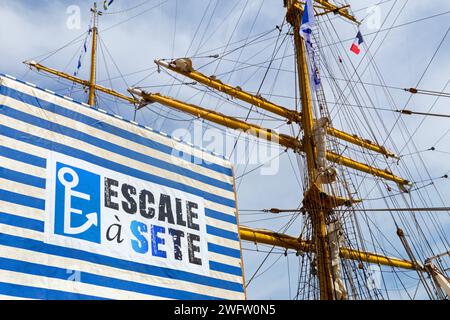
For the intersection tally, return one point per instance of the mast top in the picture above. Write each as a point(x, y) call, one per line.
point(90, 84)
point(95, 14)
point(325, 8)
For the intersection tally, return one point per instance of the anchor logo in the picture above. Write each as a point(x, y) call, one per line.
point(68, 210)
point(77, 203)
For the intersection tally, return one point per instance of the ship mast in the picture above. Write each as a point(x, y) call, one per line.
point(94, 30)
point(319, 229)
point(91, 83)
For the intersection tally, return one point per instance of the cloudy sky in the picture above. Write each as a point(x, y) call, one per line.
point(402, 41)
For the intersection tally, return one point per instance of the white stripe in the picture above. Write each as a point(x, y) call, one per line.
point(24, 147)
point(22, 167)
point(62, 139)
point(88, 267)
point(224, 242)
point(21, 211)
point(70, 286)
point(236, 262)
point(22, 188)
point(116, 122)
point(225, 276)
point(23, 233)
point(222, 224)
point(220, 207)
point(229, 211)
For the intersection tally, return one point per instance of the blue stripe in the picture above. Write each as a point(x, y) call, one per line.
point(98, 280)
point(22, 178)
point(221, 267)
point(220, 216)
point(106, 145)
point(102, 162)
point(21, 199)
point(104, 126)
point(224, 250)
point(222, 233)
point(39, 246)
point(22, 157)
point(27, 292)
point(20, 222)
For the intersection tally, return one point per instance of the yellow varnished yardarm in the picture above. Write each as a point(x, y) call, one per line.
point(289, 242)
point(84, 83)
point(258, 101)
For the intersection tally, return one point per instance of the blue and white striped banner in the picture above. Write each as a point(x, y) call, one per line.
point(95, 207)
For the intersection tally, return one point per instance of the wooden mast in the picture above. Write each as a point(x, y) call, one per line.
point(94, 30)
point(319, 230)
point(91, 83)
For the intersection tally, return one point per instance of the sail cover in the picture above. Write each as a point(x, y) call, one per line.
point(96, 207)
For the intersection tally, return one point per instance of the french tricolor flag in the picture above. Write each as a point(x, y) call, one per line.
point(358, 40)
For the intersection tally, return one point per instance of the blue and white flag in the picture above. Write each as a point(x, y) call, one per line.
point(82, 53)
point(308, 22)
